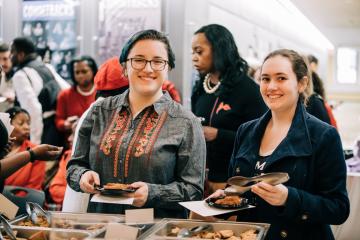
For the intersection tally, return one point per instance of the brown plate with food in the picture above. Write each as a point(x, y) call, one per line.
point(115, 189)
point(227, 202)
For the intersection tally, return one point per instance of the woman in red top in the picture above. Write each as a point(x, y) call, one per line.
point(32, 174)
point(73, 102)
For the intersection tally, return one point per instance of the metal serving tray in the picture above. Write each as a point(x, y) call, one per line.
point(161, 229)
point(53, 234)
point(94, 228)
point(89, 217)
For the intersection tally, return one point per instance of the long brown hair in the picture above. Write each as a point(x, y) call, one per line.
point(300, 68)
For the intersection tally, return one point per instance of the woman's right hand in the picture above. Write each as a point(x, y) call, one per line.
point(46, 152)
point(88, 180)
point(218, 193)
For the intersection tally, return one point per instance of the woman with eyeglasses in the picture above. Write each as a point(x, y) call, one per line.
point(142, 137)
point(224, 97)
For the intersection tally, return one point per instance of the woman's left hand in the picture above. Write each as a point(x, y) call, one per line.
point(210, 133)
point(274, 195)
point(141, 194)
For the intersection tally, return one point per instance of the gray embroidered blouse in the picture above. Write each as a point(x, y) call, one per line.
point(163, 146)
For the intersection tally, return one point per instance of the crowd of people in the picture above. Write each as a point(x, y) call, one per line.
point(124, 123)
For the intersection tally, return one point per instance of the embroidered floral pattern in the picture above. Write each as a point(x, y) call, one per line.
point(114, 136)
point(115, 129)
point(141, 143)
point(144, 139)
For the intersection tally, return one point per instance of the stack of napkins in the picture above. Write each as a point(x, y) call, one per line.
point(5, 118)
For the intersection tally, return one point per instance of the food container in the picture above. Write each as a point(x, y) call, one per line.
point(89, 217)
point(47, 233)
point(162, 229)
point(94, 228)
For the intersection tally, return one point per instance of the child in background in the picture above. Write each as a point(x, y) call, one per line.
point(33, 173)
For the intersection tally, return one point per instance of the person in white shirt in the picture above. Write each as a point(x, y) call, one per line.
point(36, 85)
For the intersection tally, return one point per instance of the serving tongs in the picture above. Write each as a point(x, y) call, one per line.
point(240, 185)
point(185, 232)
point(35, 211)
point(7, 228)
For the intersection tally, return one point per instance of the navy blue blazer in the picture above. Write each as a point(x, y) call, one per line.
point(312, 155)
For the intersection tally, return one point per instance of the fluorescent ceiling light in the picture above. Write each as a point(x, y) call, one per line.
point(299, 22)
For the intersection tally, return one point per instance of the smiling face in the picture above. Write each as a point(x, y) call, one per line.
point(21, 123)
point(147, 82)
point(201, 53)
point(279, 86)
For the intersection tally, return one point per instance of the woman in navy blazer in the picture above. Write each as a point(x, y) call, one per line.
point(288, 139)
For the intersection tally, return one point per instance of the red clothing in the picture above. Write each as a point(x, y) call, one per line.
point(71, 103)
point(58, 184)
point(110, 76)
point(31, 175)
point(170, 87)
point(331, 115)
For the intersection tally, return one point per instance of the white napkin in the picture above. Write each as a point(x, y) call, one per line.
point(116, 200)
point(5, 118)
point(203, 209)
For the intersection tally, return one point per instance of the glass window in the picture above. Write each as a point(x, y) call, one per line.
point(347, 69)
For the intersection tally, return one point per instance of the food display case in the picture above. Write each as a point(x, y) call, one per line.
point(169, 228)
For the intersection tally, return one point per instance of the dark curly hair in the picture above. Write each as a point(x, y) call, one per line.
point(89, 61)
point(226, 59)
point(15, 111)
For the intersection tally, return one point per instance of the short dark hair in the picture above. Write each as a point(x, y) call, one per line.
point(150, 34)
point(24, 44)
point(4, 47)
point(312, 59)
point(89, 61)
point(15, 111)
point(299, 67)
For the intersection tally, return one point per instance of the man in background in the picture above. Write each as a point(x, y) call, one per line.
point(36, 85)
point(7, 93)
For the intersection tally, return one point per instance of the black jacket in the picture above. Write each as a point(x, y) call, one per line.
point(227, 113)
point(312, 155)
point(316, 107)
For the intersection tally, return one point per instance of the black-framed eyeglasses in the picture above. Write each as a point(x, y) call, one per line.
point(140, 63)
